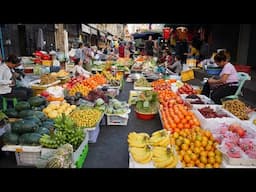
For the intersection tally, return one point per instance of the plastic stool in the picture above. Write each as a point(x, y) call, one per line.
point(5, 102)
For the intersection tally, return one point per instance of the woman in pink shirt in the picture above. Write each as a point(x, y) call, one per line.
point(226, 84)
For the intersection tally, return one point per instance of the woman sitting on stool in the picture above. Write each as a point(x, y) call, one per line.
point(226, 84)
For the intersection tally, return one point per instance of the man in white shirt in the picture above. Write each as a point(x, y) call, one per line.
point(7, 80)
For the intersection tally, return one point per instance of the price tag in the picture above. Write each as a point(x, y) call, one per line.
point(19, 150)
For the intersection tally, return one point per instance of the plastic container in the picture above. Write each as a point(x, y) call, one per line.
point(243, 68)
point(145, 116)
point(113, 119)
point(213, 71)
point(93, 134)
point(187, 75)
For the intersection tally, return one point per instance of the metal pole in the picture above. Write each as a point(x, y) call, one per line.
point(1, 43)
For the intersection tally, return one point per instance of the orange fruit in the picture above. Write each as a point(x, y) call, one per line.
point(181, 157)
point(202, 149)
point(208, 148)
point(203, 159)
point(217, 152)
point(204, 138)
point(211, 160)
point(178, 142)
point(207, 133)
point(188, 117)
point(186, 126)
point(187, 141)
point(175, 135)
point(204, 143)
point(203, 154)
point(216, 165)
point(189, 152)
point(191, 164)
point(182, 152)
point(196, 150)
point(201, 165)
point(197, 143)
point(208, 166)
point(172, 141)
point(186, 158)
point(180, 125)
point(197, 163)
point(218, 159)
point(193, 157)
point(210, 142)
point(211, 154)
point(184, 147)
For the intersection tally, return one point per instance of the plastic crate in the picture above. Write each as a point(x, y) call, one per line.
point(80, 161)
point(93, 134)
point(25, 155)
point(27, 158)
point(187, 75)
point(116, 119)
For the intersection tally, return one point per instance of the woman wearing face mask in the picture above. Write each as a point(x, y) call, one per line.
point(224, 85)
point(8, 77)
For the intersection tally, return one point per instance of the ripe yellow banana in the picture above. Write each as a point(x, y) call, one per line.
point(160, 132)
point(159, 151)
point(174, 163)
point(164, 163)
point(165, 142)
point(141, 155)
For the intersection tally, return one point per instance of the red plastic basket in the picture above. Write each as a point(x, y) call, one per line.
point(145, 116)
point(243, 68)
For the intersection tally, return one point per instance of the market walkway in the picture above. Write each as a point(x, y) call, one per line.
point(111, 149)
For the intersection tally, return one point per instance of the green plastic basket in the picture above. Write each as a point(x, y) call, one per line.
point(80, 162)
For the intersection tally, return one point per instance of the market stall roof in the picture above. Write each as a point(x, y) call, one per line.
point(145, 35)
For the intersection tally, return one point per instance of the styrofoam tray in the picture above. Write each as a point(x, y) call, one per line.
point(211, 123)
point(244, 161)
point(37, 85)
point(142, 88)
point(21, 148)
point(226, 165)
point(205, 99)
point(134, 164)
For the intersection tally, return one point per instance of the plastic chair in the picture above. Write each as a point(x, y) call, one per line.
point(242, 77)
point(5, 101)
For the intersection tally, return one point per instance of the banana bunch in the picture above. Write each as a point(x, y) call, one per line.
point(160, 138)
point(139, 140)
point(141, 155)
point(164, 157)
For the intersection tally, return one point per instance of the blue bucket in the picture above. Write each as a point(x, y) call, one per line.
point(213, 71)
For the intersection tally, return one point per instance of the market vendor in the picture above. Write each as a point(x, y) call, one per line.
point(224, 85)
point(193, 52)
point(55, 62)
point(176, 67)
point(79, 70)
point(8, 78)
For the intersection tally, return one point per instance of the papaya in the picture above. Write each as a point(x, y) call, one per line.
point(40, 115)
point(37, 101)
point(11, 113)
point(22, 105)
point(30, 139)
point(23, 126)
point(26, 113)
point(11, 138)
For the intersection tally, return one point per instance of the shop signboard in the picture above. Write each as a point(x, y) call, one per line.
point(94, 31)
point(166, 32)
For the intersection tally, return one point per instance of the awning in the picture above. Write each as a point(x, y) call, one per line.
point(94, 31)
point(102, 34)
point(86, 29)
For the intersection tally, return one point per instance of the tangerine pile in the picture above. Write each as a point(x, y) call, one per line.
point(177, 117)
point(166, 96)
point(196, 148)
point(162, 84)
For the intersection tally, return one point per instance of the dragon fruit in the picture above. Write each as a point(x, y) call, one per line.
point(234, 152)
point(251, 153)
point(246, 144)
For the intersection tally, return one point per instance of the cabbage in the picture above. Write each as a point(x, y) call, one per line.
point(117, 105)
point(110, 110)
point(99, 101)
